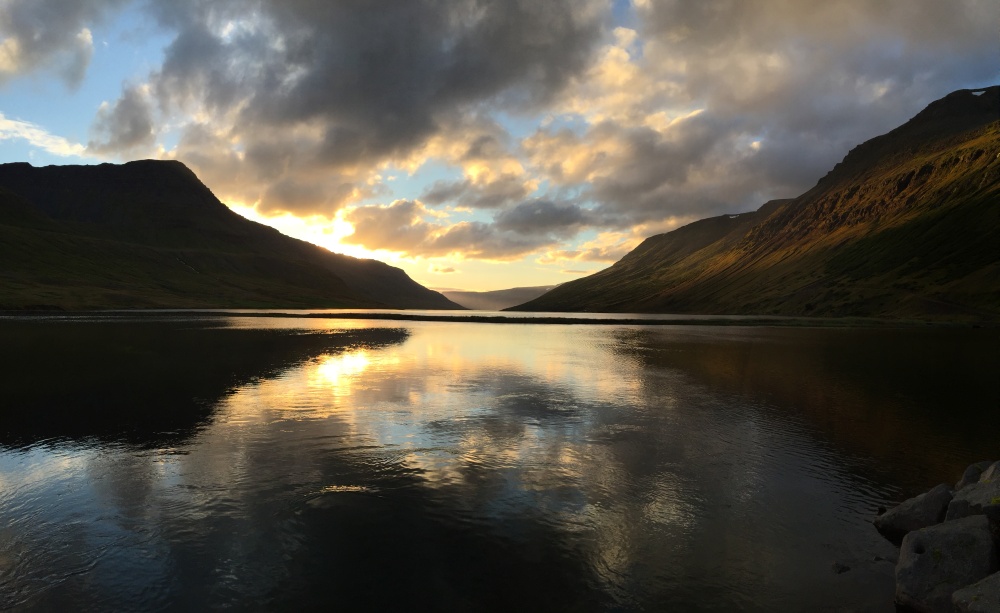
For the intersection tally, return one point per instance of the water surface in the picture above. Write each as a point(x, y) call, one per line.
point(179, 463)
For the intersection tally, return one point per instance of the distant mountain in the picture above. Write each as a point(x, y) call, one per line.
point(150, 234)
point(496, 300)
point(906, 226)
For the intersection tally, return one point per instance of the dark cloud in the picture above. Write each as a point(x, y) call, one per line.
point(125, 127)
point(485, 147)
point(638, 175)
point(786, 89)
point(708, 107)
point(401, 227)
point(362, 82)
point(49, 35)
point(503, 190)
point(542, 217)
point(484, 241)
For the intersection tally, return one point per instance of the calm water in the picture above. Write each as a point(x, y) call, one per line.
point(185, 463)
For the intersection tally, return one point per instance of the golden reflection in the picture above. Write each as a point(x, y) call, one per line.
point(485, 408)
point(337, 489)
point(336, 371)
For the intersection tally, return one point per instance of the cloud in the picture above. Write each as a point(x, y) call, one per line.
point(505, 189)
point(541, 217)
point(338, 88)
point(606, 248)
point(38, 137)
point(51, 35)
point(494, 176)
point(397, 226)
point(401, 227)
point(717, 106)
point(547, 115)
point(125, 127)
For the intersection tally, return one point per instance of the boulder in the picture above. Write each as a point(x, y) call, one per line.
point(972, 499)
point(991, 473)
point(992, 513)
point(972, 474)
point(980, 597)
point(919, 512)
point(934, 562)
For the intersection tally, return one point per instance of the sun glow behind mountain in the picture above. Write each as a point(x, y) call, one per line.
point(480, 145)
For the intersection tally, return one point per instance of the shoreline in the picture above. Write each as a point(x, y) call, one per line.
point(569, 319)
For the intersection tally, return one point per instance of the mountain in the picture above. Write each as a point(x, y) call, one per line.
point(149, 234)
point(905, 226)
point(496, 300)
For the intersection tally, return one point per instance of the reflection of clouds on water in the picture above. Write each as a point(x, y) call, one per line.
point(610, 446)
point(502, 421)
point(507, 421)
point(499, 424)
point(516, 420)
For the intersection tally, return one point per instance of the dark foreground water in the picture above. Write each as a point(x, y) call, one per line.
point(186, 463)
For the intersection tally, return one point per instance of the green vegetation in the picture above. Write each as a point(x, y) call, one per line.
point(904, 227)
point(150, 235)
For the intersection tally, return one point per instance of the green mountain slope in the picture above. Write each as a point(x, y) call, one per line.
point(905, 226)
point(150, 234)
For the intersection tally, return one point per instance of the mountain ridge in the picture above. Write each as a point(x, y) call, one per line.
point(150, 234)
point(496, 300)
point(900, 228)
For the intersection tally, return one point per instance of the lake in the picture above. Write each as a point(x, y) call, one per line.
point(186, 462)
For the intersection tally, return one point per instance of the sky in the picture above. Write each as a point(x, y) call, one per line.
point(481, 144)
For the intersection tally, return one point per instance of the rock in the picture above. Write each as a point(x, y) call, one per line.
point(992, 513)
point(839, 568)
point(919, 512)
point(981, 597)
point(891, 560)
point(972, 499)
point(991, 473)
point(936, 561)
point(972, 474)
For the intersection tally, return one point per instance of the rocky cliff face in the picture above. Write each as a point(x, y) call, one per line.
point(905, 226)
point(150, 234)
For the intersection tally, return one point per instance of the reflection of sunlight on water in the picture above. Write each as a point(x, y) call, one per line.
point(505, 419)
point(336, 489)
point(335, 371)
point(590, 434)
point(456, 399)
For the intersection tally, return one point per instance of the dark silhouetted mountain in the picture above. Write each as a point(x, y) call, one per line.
point(150, 234)
point(496, 300)
point(905, 226)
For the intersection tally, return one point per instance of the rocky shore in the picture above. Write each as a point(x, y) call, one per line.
point(949, 540)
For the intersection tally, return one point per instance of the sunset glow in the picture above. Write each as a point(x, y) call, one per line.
point(605, 122)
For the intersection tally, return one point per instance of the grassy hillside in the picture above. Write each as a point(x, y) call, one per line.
point(149, 234)
point(905, 226)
